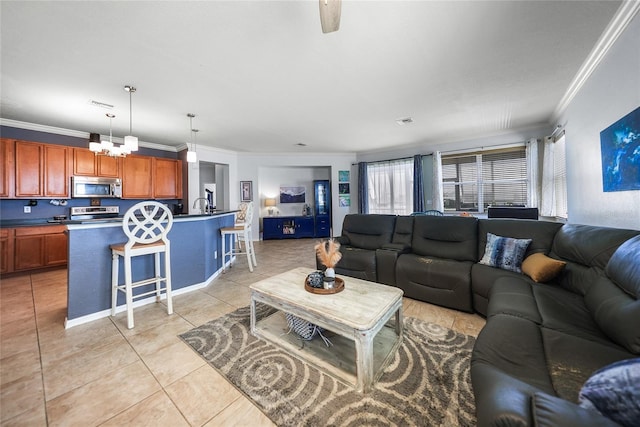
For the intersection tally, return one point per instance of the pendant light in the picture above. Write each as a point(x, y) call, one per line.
point(108, 148)
point(330, 15)
point(191, 153)
point(130, 141)
point(94, 142)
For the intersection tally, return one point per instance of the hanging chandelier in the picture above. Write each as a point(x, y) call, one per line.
point(108, 148)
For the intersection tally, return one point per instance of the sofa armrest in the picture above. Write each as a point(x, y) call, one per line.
point(400, 248)
point(386, 262)
point(553, 411)
point(343, 240)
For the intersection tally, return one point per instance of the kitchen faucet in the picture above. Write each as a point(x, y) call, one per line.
point(206, 204)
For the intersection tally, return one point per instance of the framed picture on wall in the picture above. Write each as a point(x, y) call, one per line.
point(246, 191)
point(292, 194)
point(344, 200)
point(620, 146)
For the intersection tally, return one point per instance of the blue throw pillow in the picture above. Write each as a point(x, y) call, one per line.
point(505, 252)
point(614, 391)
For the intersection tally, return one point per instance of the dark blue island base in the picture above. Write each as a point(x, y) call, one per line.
point(196, 259)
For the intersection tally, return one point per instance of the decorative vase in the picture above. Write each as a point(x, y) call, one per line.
point(316, 279)
point(329, 278)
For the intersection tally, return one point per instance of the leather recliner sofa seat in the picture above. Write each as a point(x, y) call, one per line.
point(361, 236)
point(483, 276)
point(438, 268)
point(542, 340)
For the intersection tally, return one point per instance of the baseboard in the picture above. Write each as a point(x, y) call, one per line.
point(70, 323)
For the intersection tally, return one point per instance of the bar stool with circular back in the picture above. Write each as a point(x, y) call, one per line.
point(146, 224)
point(241, 234)
point(241, 217)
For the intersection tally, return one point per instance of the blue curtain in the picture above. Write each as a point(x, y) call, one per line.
point(418, 185)
point(363, 192)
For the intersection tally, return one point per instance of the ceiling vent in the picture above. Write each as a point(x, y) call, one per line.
point(100, 104)
point(405, 121)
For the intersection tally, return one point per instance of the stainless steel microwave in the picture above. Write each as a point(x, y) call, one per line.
point(94, 187)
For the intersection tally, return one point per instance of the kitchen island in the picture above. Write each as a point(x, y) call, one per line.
point(196, 259)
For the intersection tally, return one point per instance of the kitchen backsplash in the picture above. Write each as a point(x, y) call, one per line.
point(14, 209)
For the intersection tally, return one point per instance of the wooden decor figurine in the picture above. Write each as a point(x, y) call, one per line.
point(328, 254)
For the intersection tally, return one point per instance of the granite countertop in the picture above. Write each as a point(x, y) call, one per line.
point(11, 223)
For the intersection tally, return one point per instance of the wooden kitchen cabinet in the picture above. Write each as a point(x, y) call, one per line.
point(55, 249)
point(41, 170)
point(84, 162)
point(37, 170)
point(37, 247)
point(29, 252)
point(29, 169)
point(56, 171)
point(137, 177)
point(6, 250)
point(87, 163)
point(7, 165)
point(167, 178)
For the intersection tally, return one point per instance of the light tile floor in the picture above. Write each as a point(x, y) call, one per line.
point(101, 373)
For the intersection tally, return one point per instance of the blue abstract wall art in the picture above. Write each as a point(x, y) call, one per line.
point(620, 145)
point(292, 194)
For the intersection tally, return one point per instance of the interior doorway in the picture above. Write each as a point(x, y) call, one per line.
point(214, 184)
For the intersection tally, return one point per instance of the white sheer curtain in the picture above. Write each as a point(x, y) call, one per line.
point(438, 201)
point(532, 172)
point(390, 187)
point(547, 193)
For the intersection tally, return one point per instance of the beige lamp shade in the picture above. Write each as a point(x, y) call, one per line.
point(270, 202)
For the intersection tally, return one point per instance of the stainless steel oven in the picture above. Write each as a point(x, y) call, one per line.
point(94, 187)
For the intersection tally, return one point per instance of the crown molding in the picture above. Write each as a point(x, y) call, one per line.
point(625, 13)
point(305, 155)
point(77, 134)
point(202, 147)
point(43, 128)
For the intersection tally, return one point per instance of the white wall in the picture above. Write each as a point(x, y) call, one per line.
point(212, 155)
point(272, 177)
point(612, 91)
point(287, 168)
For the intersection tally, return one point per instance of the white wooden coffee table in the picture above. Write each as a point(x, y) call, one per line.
point(361, 315)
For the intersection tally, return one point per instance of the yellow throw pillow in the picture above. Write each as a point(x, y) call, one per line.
point(541, 268)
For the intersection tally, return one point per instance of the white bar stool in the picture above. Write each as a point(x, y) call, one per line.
point(146, 224)
point(242, 235)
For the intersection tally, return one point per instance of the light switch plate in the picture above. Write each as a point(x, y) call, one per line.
point(27, 209)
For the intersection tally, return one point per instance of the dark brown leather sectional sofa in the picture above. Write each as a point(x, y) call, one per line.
point(542, 341)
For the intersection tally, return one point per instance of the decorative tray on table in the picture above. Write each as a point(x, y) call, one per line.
point(337, 287)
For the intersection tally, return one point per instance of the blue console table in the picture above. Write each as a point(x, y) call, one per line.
point(287, 227)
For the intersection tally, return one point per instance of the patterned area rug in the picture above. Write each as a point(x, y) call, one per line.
point(426, 384)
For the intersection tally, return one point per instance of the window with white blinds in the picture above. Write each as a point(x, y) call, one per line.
point(390, 187)
point(474, 181)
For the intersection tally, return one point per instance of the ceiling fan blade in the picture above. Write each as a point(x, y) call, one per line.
point(330, 15)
